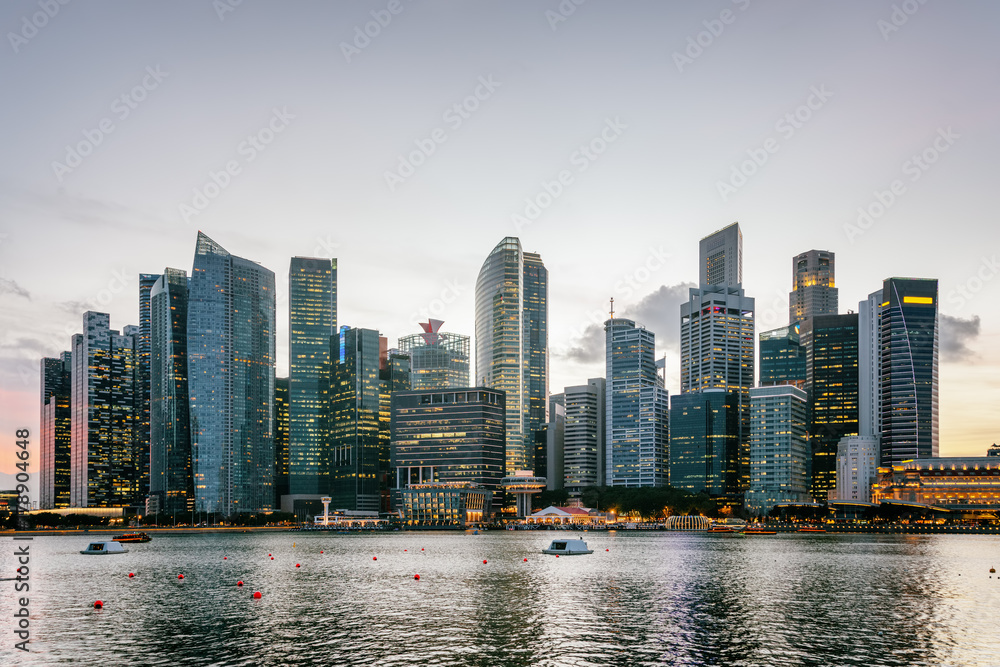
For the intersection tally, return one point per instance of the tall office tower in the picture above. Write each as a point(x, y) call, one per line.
point(779, 448)
point(451, 436)
point(146, 282)
point(857, 464)
point(512, 342)
point(54, 434)
point(394, 377)
point(636, 408)
point(909, 382)
point(550, 447)
point(231, 340)
point(717, 332)
point(280, 439)
point(171, 475)
point(832, 387)
point(704, 442)
point(814, 290)
point(782, 357)
point(356, 465)
point(721, 257)
point(438, 360)
point(869, 365)
point(585, 437)
point(106, 456)
point(312, 320)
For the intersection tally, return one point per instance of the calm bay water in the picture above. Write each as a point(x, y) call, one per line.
point(653, 598)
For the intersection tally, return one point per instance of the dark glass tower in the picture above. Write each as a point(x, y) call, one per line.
point(280, 439)
point(782, 357)
point(312, 320)
point(832, 387)
point(171, 480)
point(909, 382)
point(231, 340)
point(146, 282)
point(54, 434)
point(704, 442)
point(438, 360)
point(536, 343)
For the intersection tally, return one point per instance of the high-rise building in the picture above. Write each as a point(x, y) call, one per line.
point(512, 342)
point(231, 361)
point(146, 282)
point(704, 442)
point(585, 437)
point(312, 321)
point(814, 289)
point(909, 368)
point(857, 467)
point(54, 434)
point(779, 448)
point(109, 462)
point(782, 357)
point(832, 387)
point(438, 360)
point(280, 439)
point(394, 377)
point(636, 407)
point(550, 447)
point(452, 436)
point(869, 365)
point(171, 472)
point(721, 257)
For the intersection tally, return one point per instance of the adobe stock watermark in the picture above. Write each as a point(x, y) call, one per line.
point(223, 7)
point(30, 25)
point(436, 307)
point(248, 150)
point(562, 12)
point(121, 108)
point(363, 35)
point(900, 15)
point(699, 42)
point(581, 158)
point(966, 291)
point(786, 126)
point(454, 116)
point(914, 167)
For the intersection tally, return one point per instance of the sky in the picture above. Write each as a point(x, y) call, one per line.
point(406, 138)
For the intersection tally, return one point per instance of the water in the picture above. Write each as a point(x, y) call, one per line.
point(653, 598)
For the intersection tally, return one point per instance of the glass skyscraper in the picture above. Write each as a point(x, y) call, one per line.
point(779, 448)
point(280, 439)
point(512, 342)
point(909, 368)
point(782, 357)
point(704, 442)
point(143, 349)
point(438, 360)
point(171, 478)
point(231, 341)
point(312, 320)
point(636, 408)
point(54, 434)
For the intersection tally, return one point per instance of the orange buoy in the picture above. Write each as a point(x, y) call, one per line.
point(256, 595)
point(417, 577)
point(98, 604)
point(297, 565)
point(239, 583)
point(131, 574)
point(180, 576)
point(992, 570)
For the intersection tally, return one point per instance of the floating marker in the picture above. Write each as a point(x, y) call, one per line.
point(992, 570)
point(484, 561)
point(607, 549)
point(180, 576)
point(417, 577)
point(297, 565)
point(272, 557)
point(225, 558)
point(421, 548)
point(525, 560)
point(239, 583)
point(321, 551)
point(131, 574)
point(374, 557)
point(256, 595)
point(98, 604)
point(557, 555)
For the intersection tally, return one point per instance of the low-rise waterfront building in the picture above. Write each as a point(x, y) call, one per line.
point(959, 483)
point(446, 504)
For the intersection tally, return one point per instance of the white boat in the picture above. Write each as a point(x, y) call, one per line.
point(104, 548)
point(567, 548)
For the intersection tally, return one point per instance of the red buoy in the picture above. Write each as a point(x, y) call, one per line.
point(321, 551)
point(417, 577)
point(239, 583)
point(557, 555)
point(606, 549)
point(131, 574)
point(272, 557)
point(180, 576)
point(98, 604)
point(525, 560)
point(374, 557)
point(421, 548)
point(404, 549)
point(484, 561)
point(225, 558)
point(269, 554)
point(256, 595)
point(297, 565)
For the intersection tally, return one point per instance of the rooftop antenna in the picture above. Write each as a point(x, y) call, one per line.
point(612, 307)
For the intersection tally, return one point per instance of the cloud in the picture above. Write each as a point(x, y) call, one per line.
point(8, 286)
point(956, 336)
point(658, 311)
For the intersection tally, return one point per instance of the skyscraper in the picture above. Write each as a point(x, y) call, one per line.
point(832, 387)
point(54, 434)
point(438, 360)
point(312, 321)
point(636, 408)
point(280, 439)
point(550, 442)
point(171, 474)
point(108, 461)
point(512, 342)
point(704, 442)
point(584, 436)
point(721, 257)
point(231, 342)
point(146, 282)
point(909, 368)
point(869, 365)
point(814, 289)
point(779, 448)
point(782, 357)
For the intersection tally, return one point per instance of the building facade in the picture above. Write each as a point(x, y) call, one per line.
point(814, 289)
point(857, 465)
point(281, 458)
point(782, 357)
point(438, 360)
point(779, 448)
point(55, 432)
point(704, 442)
point(585, 438)
point(957, 483)
point(869, 365)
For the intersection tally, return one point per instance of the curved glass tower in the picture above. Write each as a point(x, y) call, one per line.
point(512, 342)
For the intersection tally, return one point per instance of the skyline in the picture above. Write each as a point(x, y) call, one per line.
point(624, 223)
